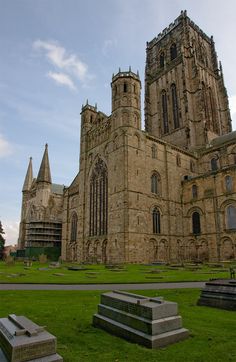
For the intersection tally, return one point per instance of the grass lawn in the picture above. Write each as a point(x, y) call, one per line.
point(68, 315)
point(93, 274)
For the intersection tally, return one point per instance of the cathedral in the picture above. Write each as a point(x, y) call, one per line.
point(164, 194)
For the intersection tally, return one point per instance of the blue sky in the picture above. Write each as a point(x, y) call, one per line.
point(57, 53)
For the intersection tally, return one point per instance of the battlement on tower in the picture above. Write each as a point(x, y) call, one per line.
point(173, 25)
point(128, 73)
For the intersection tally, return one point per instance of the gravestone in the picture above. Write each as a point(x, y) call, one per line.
point(9, 260)
point(219, 294)
point(22, 340)
point(151, 322)
point(43, 259)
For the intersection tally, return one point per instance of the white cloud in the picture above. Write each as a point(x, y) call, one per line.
point(5, 147)
point(62, 79)
point(232, 106)
point(11, 229)
point(59, 57)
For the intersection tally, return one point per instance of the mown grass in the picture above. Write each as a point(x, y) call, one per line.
point(100, 274)
point(68, 315)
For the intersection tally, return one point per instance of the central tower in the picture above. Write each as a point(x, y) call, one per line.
point(186, 102)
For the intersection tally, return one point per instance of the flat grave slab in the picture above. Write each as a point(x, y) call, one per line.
point(219, 293)
point(22, 340)
point(152, 322)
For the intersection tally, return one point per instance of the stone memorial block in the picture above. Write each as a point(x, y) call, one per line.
point(43, 259)
point(9, 260)
point(219, 294)
point(151, 322)
point(22, 340)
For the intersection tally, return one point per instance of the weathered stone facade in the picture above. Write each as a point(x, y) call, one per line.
point(41, 213)
point(166, 193)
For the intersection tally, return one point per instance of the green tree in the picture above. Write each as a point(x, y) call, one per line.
point(2, 241)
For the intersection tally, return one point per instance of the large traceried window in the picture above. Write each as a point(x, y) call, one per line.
point(156, 221)
point(73, 229)
point(98, 213)
point(164, 112)
point(175, 107)
point(231, 217)
point(196, 223)
point(155, 183)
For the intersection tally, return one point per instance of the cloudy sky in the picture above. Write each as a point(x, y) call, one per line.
point(55, 54)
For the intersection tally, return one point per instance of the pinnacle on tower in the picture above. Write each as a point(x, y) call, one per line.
point(28, 177)
point(44, 174)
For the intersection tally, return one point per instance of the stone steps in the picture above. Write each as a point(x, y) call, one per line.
point(133, 335)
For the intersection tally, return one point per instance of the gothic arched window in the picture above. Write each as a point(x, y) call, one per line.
point(98, 213)
point(231, 217)
point(154, 151)
point(173, 51)
point(155, 183)
point(175, 107)
point(194, 191)
point(196, 224)
point(73, 229)
point(212, 111)
point(214, 164)
point(156, 221)
point(125, 87)
point(229, 183)
point(205, 105)
point(164, 112)
point(162, 60)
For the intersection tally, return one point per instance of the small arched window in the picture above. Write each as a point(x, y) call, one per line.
point(196, 224)
point(125, 87)
point(162, 60)
point(229, 183)
point(156, 221)
point(178, 160)
point(214, 164)
point(231, 217)
point(173, 51)
point(175, 108)
point(194, 191)
point(154, 151)
point(165, 112)
point(155, 183)
point(73, 230)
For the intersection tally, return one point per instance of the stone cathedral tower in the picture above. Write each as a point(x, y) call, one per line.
point(164, 194)
point(185, 98)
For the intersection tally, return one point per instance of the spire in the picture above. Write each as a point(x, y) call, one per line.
point(28, 177)
point(44, 174)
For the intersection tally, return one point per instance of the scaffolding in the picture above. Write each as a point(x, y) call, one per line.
point(43, 234)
